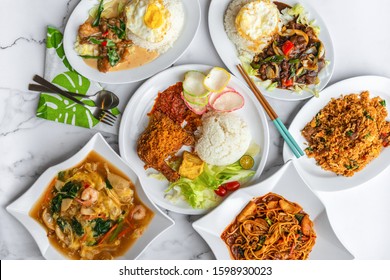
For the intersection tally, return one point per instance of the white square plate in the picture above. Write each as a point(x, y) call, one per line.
point(285, 182)
point(22, 206)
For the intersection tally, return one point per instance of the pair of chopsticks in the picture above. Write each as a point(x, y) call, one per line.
point(272, 114)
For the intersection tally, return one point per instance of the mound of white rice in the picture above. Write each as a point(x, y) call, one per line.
point(224, 138)
point(175, 8)
point(244, 47)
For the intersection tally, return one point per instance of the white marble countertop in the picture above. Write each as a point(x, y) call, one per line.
point(29, 145)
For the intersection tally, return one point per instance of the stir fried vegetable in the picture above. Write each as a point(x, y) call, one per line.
point(91, 212)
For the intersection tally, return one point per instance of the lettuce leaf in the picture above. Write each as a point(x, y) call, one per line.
point(199, 193)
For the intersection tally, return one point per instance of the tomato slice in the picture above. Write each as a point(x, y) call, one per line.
point(287, 47)
point(287, 82)
point(221, 191)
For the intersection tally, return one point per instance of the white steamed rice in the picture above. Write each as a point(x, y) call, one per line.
point(175, 8)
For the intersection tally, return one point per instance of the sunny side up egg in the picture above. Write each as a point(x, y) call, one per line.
point(148, 19)
point(257, 20)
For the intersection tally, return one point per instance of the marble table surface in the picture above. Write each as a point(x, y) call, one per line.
point(29, 145)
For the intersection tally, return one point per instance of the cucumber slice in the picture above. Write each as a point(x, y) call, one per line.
point(193, 84)
point(197, 109)
point(201, 101)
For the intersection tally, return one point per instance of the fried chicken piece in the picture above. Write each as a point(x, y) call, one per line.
point(160, 140)
point(86, 30)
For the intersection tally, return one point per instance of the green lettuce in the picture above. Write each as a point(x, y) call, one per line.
point(199, 193)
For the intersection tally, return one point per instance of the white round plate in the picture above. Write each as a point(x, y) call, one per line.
point(80, 14)
point(135, 120)
point(313, 174)
point(228, 53)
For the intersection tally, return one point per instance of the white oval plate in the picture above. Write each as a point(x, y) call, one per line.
point(313, 174)
point(228, 53)
point(287, 183)
point(22, 206)
point(80, 14)
point(135, 120)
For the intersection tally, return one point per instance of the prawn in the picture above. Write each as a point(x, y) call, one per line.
point(88, 197)
point(138, 213)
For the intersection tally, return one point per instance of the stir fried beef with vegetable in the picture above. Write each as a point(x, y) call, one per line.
point(294, 58)
point(107, 38)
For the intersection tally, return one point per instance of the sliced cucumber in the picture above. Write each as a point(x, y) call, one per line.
point(201, 101)
point(193, 84)
point(197, 109)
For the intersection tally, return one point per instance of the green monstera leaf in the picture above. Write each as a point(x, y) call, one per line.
point(54, 40)
point(73, 82)
point(61, 109)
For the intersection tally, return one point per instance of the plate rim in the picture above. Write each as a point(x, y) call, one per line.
point(298, 96)
point(287, 155)
point(124, 76)
point(138, 93)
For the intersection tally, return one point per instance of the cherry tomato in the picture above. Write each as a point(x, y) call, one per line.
point(231, 186)
point(221, 191)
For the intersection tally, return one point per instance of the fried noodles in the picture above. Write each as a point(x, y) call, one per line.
point(270, 228)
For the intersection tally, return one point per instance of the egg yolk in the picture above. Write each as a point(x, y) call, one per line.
point(154, 16)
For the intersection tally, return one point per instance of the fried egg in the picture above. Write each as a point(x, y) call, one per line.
point(148, 19)
point(257, 21)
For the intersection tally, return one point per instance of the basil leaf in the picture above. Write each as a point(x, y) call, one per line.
point(91, 56)
point(101, 226)
point(275, 58)
point(96, 22)
point(61, 223)
point(95, 41)
point(70, 189)
point(77, 227)
point(113, 56)
point(55, 205)
point(119, 31)
point(108, 184)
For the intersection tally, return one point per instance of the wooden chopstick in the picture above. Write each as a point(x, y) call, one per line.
point(267, 107)
point(272, 114)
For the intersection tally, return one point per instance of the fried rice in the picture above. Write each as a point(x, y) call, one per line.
point(348, 133)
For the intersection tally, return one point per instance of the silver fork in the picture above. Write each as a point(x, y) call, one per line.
point(101, 114)
point(104, 116)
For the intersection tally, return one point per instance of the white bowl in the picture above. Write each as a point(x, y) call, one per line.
point(22, 206)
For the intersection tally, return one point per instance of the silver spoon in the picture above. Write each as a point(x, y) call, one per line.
point(103, 99)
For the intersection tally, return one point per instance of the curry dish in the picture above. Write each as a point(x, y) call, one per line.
point(270, 228)
point(92, 211)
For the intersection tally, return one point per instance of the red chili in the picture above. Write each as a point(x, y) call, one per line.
point(86, 185)
point(104, 34)
point(232, 186)
point(221, 191)
point(287, 82)
point(287, 47)
point(104, 43)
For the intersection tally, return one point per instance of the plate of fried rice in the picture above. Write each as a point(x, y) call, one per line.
point(345, 134)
